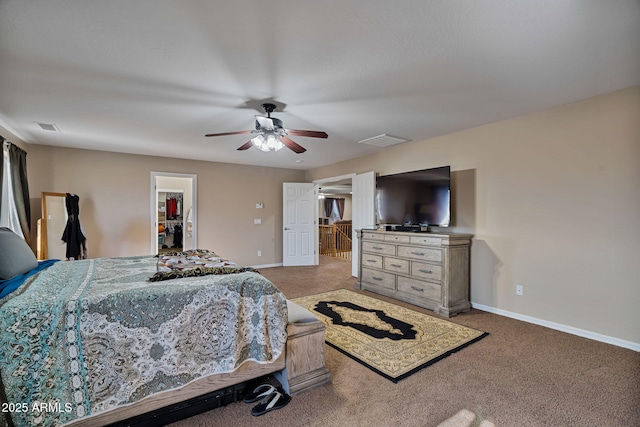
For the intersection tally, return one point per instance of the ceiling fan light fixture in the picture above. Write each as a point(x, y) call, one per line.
point(269, 143)
point(271, 134)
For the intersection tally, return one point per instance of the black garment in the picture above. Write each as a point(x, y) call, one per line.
point(177, 236)
point(72, 235)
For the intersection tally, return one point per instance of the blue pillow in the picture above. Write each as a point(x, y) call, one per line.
point(8, 286)
point(16, 256)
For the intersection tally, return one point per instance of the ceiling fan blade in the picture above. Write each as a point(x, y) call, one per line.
point(309, 133)
point(264, 123)
point(240, 132)
point(246, 145)
point(289, 143)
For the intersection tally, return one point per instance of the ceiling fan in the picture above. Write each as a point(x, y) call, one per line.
point(271, 135)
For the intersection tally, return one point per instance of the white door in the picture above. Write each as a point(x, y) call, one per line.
point(363, 189)
point(298, 213)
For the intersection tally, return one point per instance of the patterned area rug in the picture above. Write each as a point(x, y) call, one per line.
point(391, 340)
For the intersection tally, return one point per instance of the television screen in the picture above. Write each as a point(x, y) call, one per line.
point(415, 198)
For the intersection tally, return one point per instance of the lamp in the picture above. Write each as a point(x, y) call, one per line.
point(268, 142)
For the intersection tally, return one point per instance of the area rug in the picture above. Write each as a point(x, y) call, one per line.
point(391, 340)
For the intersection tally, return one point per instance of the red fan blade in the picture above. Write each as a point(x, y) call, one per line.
point(292, 145)
point(240, 132)
point(246, 145)
point(309, 133)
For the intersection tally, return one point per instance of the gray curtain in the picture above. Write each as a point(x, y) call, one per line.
point(20, 188)
point(340, 204)
point(328, 207)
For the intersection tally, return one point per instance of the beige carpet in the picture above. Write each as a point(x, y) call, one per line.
point(520, 375)
point(391, 340)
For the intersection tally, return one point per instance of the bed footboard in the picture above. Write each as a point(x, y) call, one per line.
point(247, 371)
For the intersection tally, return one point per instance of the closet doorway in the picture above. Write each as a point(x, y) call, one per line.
point(173, 212)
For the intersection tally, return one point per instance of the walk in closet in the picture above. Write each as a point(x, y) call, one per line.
point(170, 221)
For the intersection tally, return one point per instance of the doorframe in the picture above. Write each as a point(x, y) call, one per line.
point(153, 218)
point(317, 183)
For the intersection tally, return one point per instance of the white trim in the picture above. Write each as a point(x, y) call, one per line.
point(560, 327)
point(153, 206)
point(266, 265)
point(317, 183)
point(334, 178)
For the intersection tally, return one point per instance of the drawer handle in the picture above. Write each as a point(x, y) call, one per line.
point(377, 248)
point(415, 288)
point(371, 260)
point(396, 265)
point(377, 278)
point(417, 253)
point(422, 270)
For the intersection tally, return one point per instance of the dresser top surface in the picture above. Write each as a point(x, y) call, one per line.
point(441, 234)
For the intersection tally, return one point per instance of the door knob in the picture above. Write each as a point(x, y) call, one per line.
point(286, 228)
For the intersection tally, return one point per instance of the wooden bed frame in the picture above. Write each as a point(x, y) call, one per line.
point(302, 361)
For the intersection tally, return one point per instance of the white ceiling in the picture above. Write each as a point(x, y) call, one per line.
point(154, 76)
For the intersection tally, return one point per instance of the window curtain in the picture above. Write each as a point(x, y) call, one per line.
point(15, 210)
point(340, 206)
point(333, 208)
point(328, 207)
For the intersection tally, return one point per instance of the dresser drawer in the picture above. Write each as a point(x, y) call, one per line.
point(396, 238)
point(422, 254)
point(379, 278)
point(396, 264)
point(380, 248)
point(372, 236)
point(426, 240)
point(419, 288)
point(370, 260)
point(422, 270)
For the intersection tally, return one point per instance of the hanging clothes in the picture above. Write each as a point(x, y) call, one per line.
point(172, 207)
point(177, 236)
point(72, 235)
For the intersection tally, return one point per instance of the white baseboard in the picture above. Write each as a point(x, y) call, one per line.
point(559, 327)
point(266, 265)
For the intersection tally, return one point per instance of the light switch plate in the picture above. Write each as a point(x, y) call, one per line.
point(257, 221)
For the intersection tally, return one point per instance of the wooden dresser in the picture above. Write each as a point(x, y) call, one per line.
point(430, 270)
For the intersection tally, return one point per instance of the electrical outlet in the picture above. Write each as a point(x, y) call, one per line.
point(519, 290)
point(259, 253)
point(257, 220)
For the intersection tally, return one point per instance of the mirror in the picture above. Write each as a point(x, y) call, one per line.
point(52, 224)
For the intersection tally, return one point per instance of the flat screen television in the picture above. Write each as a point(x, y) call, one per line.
point(418, 198)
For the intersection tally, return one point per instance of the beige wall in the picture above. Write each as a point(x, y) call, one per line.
point(553, 201)
point(114, 192)
point(551, 197)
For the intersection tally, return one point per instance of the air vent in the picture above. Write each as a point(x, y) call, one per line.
point(384, 140)
point(49, 127)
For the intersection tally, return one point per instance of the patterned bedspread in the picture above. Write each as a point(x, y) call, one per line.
point(87, 336)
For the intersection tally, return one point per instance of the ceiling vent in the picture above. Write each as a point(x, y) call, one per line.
point(47, 126)
point(384, 140)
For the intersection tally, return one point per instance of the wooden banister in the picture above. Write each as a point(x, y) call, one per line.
point(335, 240)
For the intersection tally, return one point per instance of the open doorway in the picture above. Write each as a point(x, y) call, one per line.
point(335, 208)
point(173, 211)
point(362, 207)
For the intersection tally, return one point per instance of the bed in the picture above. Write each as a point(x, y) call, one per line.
point(96, 341)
